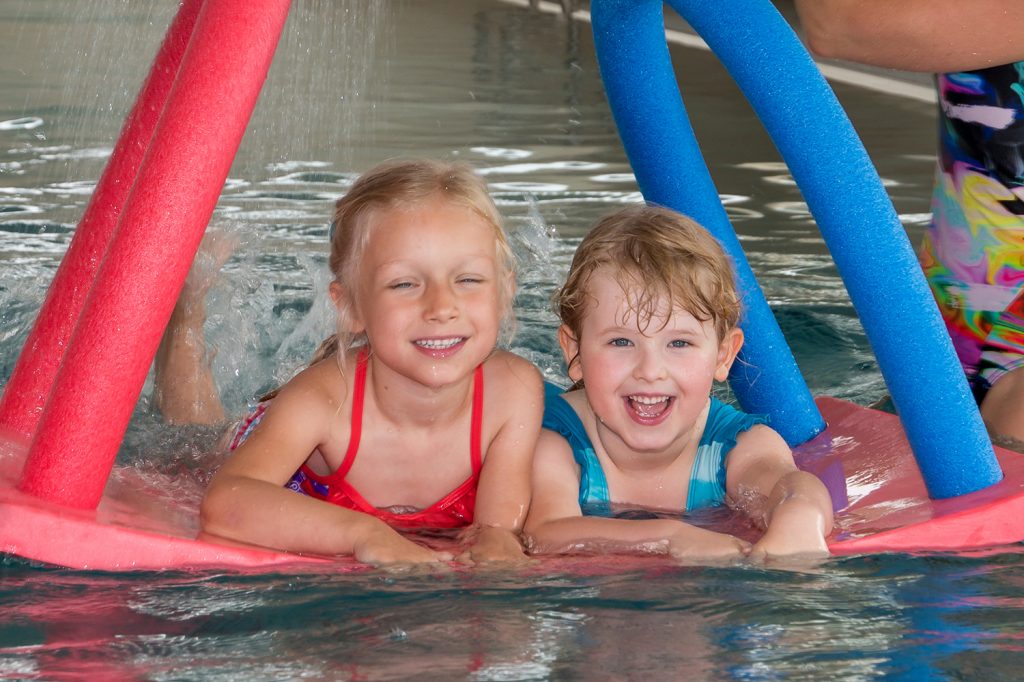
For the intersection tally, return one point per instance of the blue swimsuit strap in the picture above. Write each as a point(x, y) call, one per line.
point(560, 417)
point(708, 477)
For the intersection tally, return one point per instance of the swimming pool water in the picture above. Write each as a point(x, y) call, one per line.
point(517, 94)
point(862, 618)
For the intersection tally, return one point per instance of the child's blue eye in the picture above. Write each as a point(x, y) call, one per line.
point(400, 285)
point(620, 342)
point(679, 343)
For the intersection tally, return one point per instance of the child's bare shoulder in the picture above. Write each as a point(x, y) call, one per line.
point(763, 437)
point(323, 386)
point(553, 444)
point(758, 446)
point(506, 371)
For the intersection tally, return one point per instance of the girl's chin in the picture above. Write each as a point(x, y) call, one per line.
point(641, 438)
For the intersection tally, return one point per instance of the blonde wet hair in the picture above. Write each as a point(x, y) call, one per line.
point(658, 257)
point(395, 185)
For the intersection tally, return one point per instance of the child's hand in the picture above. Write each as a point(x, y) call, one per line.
point(492, 545)
point(384, 547)
point(691, 543)
point(795, 530)
point(785, 545)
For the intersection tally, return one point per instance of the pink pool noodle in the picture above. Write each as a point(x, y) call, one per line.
point(30, 383)
point(157, 235)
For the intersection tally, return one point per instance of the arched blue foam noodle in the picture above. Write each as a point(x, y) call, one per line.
point(652, 121)
point(843, 191)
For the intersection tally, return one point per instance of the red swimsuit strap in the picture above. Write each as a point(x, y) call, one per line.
point(476, 425)
point(358, 391)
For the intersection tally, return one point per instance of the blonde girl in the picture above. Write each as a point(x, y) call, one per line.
point(410, 417)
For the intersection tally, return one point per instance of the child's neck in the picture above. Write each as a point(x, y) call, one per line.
point(405, 401)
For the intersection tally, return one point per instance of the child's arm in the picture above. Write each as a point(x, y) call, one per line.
point(556, 524)
point(793, 506)
point(247, 500)
point(503, 493)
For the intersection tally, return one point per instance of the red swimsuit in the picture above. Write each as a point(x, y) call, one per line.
point(454, 510)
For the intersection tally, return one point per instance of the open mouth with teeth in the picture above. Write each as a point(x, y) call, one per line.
point(440, 347)
point(648, 409)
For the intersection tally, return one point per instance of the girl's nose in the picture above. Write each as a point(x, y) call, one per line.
point(441, 305)
point(650, 366)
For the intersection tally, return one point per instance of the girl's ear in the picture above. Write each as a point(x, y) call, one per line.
point(346, 308)
point(571, 353)
point(727, 351)
point(337, 293)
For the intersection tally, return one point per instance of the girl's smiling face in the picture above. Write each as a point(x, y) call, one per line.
point(647, 382)
point(429, 291)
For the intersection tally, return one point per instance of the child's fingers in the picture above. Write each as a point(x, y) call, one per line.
point(395, 550)
point(421, 568)
point(465, 558)
point(764, 553)
point(476, 558)
point(757, 555)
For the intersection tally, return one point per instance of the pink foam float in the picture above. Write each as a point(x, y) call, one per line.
point(151, 522)
point(866, 461)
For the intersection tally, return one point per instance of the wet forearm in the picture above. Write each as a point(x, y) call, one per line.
point(258, 512)
point(800, 498)
point(594, 534)
point(915, 35)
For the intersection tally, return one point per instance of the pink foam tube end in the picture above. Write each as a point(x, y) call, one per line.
point(158, 233)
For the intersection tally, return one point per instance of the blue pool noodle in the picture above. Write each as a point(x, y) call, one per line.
point(845, 195)
point(670, 170)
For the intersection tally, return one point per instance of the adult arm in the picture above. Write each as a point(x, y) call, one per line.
point(916, 35)
point(556, 524)
point(793, 506)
